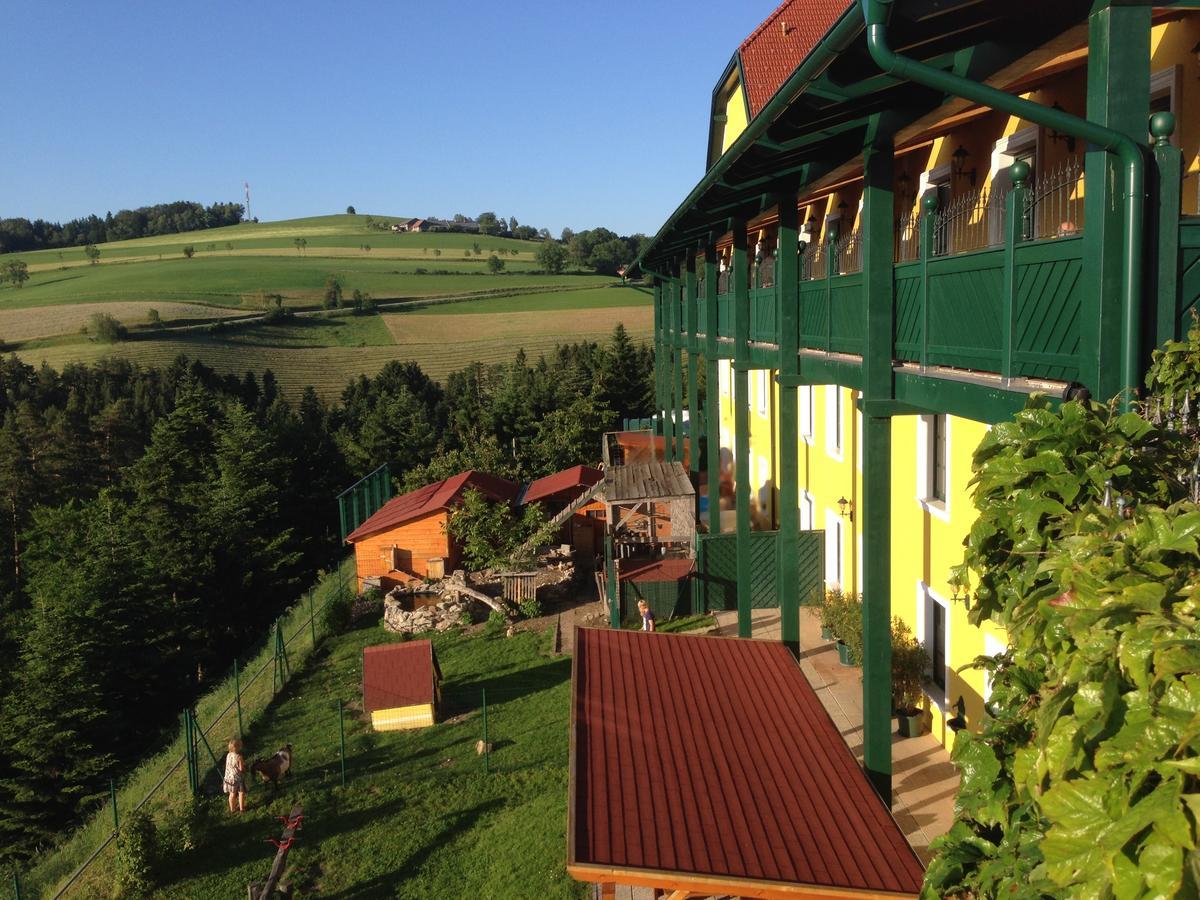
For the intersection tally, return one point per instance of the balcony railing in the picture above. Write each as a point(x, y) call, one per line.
point(1053, 205)
point(972, 221)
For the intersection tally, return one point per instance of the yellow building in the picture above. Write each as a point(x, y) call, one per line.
point(892, 250)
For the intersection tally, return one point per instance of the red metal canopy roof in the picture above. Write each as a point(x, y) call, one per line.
point(569, 482)
point(398, 675)
point(672, 569)
point(432, 498)
point(777, 47)
point(713, 758)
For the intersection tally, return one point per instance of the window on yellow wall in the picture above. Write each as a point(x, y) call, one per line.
point(833, 421)
point(806, 412)
point(807, 515)
point(933, 464)
point(834, 555)
point(934, 632)
point(763, 390)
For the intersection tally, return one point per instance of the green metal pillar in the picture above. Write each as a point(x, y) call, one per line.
point(678, 341)
point(1168, 164)
point(787, 294)
point(741, 410)
point(668, 371)
point(611, 588)
point(691, 310)
point(712, 393)
point(875, 516)
point(1118, 97)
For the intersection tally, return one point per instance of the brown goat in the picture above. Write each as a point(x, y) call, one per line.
point(275, 767)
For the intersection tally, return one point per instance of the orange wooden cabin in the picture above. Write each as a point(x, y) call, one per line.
point(583, 528)
point(397, 543)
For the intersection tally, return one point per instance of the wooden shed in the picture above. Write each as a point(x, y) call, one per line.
point(407, 537)
point(401, 685)
point(569, 500)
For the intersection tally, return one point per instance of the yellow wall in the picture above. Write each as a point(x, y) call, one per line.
point(401, 718)
point(1171, 45)
point(735, 118)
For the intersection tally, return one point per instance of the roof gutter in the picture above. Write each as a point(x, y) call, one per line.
point(843, 32)
point(875, 14)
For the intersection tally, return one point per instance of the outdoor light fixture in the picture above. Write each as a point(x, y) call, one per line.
point(960, 164)
point(904, 183)
point(959, 722)
point(1057, 136)
point(845, 508)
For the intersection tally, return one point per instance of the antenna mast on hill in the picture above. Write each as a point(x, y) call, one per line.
point(246, 185)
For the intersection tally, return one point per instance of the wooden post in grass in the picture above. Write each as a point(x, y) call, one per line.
point(487, 751)
point(342, 739)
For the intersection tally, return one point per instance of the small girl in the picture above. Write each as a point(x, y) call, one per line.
point(235, 776)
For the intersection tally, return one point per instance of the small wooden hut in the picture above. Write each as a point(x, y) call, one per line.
point(401, 685)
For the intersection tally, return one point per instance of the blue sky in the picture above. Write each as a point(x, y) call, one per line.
point(561, 114)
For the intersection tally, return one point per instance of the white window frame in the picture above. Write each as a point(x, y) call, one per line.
point(925, 459)
point(808, 511)
point(762, 389)
point(992, 646)
point(926, 598)
point(1166, 83)
point(834, 422)
point(807, 405)
point(835, 557)
point(1004, 153)
point(858, 430)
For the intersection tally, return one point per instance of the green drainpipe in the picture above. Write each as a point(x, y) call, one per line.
point(875, 14)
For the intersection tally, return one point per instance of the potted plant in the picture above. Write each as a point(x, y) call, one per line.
point(909, 665)
point(848, 628)
point(827, 612)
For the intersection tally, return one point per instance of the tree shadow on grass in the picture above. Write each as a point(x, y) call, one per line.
point(463, 696)
point(454, 824)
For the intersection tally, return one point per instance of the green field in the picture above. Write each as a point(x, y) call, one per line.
point(459, 315)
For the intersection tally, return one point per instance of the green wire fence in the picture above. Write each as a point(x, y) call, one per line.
point(229, 708)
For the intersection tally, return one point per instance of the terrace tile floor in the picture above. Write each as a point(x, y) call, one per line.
point(924, 781)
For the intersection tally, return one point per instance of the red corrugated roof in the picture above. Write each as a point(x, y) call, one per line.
point(569, 482)
point(778, 46)
point(398, 675)
point(656, 570)
point(714, 757)
point(432, 498)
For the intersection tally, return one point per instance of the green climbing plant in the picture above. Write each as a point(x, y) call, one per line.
point(1084, 778)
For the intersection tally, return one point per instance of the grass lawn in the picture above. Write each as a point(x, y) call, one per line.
point(591, 298)
point(236, 280)
point(418, 817)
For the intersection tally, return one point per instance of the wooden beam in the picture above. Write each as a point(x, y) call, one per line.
point(708, 885)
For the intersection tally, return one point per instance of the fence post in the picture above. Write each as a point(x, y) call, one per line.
point(1165, 201)
point(342, 740)
point(487, 751)
point(17, 885)
point(1014, 217)
point(237, 696)
point(928, 223)
point(188, 750)
point(312, 615)
point(112, 793)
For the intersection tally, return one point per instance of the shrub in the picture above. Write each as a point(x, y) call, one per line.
point(909, 665)
point(495, 625)
point(152, 317)
point(189, 251)
point(531, 608)
point(844, 613)
point(332, 297)
point(336, 616)
point(186, 827)
point(106, 328)
point(136, 856)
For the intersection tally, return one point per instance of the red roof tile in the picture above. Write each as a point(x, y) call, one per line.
point(714, 757)
point(433, 498)
point(777, 47)
point(569, 482)
point(399, 675)
point(656, 570)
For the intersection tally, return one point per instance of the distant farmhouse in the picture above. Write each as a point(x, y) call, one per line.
point(470, 226)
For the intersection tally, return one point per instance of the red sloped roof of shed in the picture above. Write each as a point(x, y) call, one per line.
point(714, 757)
point(777, 47)
point(432, 498)
point(569, 482)
point(655, 570)
point(399, 675)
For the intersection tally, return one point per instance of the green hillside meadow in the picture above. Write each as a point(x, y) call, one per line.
point(437, 303)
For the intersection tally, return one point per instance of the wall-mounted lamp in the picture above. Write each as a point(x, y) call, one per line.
point(845, 508)
point(842, 206)
point(959, 722)
point(960, 164)
point(1058, 136)
point(904, 189)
